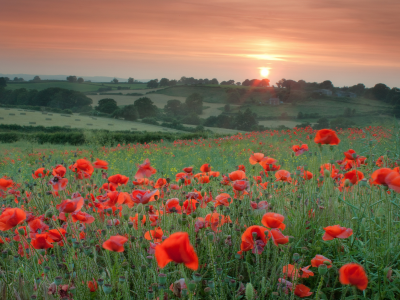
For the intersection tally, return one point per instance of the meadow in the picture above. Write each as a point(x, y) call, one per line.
point(264, 215)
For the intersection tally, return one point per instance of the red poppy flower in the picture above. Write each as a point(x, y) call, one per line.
point(172, 205)
point(256, 158)
point(188, 170)
point(273, 220)
point(307, 175)
point(56, 235)
point(37, 226)
point(82, 217)
point(40, 173)
point(144, 197)
point(83, 168)
point(203, 179)
point(354, 176)
point(177, 248)
point(205, 168)
point(298, 150)
point(216, 220)
point(59, 170)
point(161, 182)
point(302, 291)
point(326, 137)
point(351, 154)
point(183, 176)
point(240, 185)
point(283, 175)
point(70, 206)
point(154, 235)
point(255, 238)
point(100, 164)
point(268, 164)
point(115, 243)
point(278, 237)
point(5, 184)
point(393, 181)
point(41, 241)
point(353, 274)
point(223, 199)
point(292, 272)
point(237, 175)
point(92, 285)
point(11, 217)
point(259, 205)
point(336, 231)
point(319, 260)
point(118, 179)
point(58, 183)
point(241, 168)
point(145, 170)
point(135, 220)
point(189, 206)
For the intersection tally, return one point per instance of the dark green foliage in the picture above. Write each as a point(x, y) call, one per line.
point(152, 84)
point(246, 120)
point(152, 121)
point(396, 110)
point(3, 82)
point(130, 80)
point(8, 137)
point(380, 91)
point(72, 79)
point(145, 107)
point(194, 103)
point(174, 108)
point(322, 123)
point(107, 105)
point(129, 112)
point(192, 119)
point(341, 123)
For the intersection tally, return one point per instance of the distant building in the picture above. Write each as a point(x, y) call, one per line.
point(346, 94)
point(274, 101)
point(324, 92)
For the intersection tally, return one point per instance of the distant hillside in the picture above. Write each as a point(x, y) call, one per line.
point(63, 77)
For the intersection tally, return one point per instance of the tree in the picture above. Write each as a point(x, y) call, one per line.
point(264, 82)
point(322, 123)
point(327, 84)
point(246, 120)
point(152, 84)
point(164, 82)
point(66, 99)
point(129, 112)
point(145, 107)
point(115, 81)
point(380, 91)
point(227, 108)
point(107, 105)
point(36, 78)
point(359, 89)
point(130, 80)
point(194, 103)
point(396, 110)
point(246, 82)
point(72, 79)
point(81, 80)
point(174, 107)
point(173, 82)
point(233, 96)
point(238, 83)
point(3, 82)
point(300, 115)
point(214, 81)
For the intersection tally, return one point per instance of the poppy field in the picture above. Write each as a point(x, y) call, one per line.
point(264, 215)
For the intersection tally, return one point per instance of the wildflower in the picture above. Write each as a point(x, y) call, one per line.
point(283, 175)
point(273, 220)
point(59, 170)
point(172, 205)
point(70, 206)
point(336, 231)
point(302, 291)
point(58, 183)
point(41, 241)
point(92, 285)
point(319, 260)
point(237, 175)
point(83, 168)
point(353, 274)
point(118, 179)
point(5, 184)
point(40, 173)
point(115, 243)
point(278, 237)
point(144, 197)
point(177, 248)
point(254, 238)
point(256, 158)
point(326, 137)
point(223, 199)
point(298, 150)
point(11, 217)
point(205, 168)
point(154, 235)
point(145, 170)
point(100, 164)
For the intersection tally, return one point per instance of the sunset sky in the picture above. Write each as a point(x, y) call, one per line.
point(346, 41)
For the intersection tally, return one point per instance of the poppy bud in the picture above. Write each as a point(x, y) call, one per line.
point(146, 208)
point(197, 277)
point(58, 280)
point(210, 236)
point(184, 292)
point(16, 258)
point(33, 297)
point(219, 271)
point(107, 288)
point(4, 253)
point(363, 182)
point(130, 224)
point(249, 291)
point(192, 285)
point(327, 173)
point(162, 279)
point(322, 269)
point(46, 269)
point(211, 284)
point(347, 183)
point(121, 279)
point(305, 167)
point(143, 268)
point(207, 290)
point(100, 281)
point(296, 257)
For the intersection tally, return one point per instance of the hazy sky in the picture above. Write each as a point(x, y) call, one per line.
point(346, 41)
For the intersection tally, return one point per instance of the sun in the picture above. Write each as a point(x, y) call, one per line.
point(264, 72)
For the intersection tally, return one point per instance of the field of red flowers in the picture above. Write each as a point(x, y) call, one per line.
point(265, 215)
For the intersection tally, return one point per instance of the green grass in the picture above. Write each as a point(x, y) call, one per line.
point(80, 87)
point(306, 206)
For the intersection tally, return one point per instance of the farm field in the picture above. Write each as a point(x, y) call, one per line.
point(214, 109)
point(226, 218)
point(80, 87)
point(23, 117)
